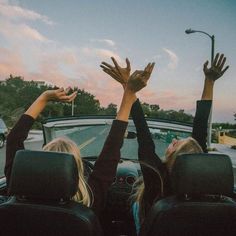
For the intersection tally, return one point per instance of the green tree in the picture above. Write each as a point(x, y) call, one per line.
point(111, 109)
point(85, 103)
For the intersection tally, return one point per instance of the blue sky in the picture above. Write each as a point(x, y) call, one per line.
point(63, 42)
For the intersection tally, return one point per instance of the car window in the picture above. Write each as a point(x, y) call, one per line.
point(2, 124)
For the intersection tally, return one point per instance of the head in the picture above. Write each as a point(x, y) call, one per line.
point(179, 147)
point(176, 147)
point(63, 144)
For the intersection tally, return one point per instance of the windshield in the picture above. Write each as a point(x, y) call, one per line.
point(90, 138)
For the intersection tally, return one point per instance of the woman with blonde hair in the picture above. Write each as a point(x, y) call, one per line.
point(156, 183)
point(63, 144)
point(93, 192)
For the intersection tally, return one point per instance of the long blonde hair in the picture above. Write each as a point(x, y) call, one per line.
point(189, 145)
point(84, 194)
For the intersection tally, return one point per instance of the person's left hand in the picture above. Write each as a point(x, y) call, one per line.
point(139, 78)
point(59, 95)
point(118, 73)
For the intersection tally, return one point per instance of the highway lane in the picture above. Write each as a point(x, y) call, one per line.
point(91, 140)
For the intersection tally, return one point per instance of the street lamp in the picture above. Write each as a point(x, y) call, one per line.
point(72, 108)
point(212, 37)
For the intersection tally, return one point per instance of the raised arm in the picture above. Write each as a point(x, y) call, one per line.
point(204, 105)
point(19, 133)
point(151, 164)
point(106, 164)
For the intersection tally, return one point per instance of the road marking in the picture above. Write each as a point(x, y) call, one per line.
point(81, 146)
point(103, 131)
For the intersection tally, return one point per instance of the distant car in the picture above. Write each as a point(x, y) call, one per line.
point(3, 132)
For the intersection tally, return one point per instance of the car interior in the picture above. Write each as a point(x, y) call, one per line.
point(41, 187)
point(203, 201)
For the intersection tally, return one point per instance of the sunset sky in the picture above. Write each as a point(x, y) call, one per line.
point(64, 42)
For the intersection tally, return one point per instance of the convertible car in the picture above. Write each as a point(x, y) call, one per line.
point(210, 203)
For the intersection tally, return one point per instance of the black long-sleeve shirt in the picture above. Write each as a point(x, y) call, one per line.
point(105, 166)
point(148, 158)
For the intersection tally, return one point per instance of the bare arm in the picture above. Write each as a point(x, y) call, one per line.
point(212, 74)
point(50, 95)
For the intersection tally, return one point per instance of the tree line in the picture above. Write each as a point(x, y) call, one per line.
point(16, 95)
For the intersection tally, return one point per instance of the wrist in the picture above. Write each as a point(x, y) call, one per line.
point(44, 97)
point(209, 81)
point(129, 96)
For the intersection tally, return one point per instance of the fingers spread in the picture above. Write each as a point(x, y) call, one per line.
point(107, 65)
point(128, 64)
point(151, 67)
point(115, 63)
point(223, 71)
point(68, 98)
point(215, 60)
point(205, 65)
point(147, 67)
point(220, 60)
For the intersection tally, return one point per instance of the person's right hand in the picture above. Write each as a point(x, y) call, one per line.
point(59, 95)
point(216, 70)
point(139, 78)
point(118, 73)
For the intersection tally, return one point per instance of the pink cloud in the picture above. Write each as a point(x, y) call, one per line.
point(23, 32)
point(10, 63)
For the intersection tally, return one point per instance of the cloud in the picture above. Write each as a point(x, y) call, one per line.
point(101, 53)
point(109, 42)
point(15, 32)
point(10, 63)
point(173, 58)
point(14, 27)
point(17, 12)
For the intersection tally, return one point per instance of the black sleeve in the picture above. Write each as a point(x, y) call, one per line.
point(147, 156)
point(15, 141)
point(106, 164)
point(200, 122)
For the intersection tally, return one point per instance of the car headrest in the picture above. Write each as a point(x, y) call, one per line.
point(204, 174)
point(44, 175)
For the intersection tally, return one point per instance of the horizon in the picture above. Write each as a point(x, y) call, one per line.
point(63, 43)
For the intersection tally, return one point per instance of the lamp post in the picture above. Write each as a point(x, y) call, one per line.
point(212, 37)
point(72, 108)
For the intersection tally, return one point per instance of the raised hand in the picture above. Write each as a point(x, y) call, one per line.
point(118, 73)
point(139, 78)
point(216, 70)
point(39, 104)
point(59, 95)
point(136, 82)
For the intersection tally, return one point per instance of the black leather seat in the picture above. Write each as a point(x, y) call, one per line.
point(201, 204)
point(41, 187)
